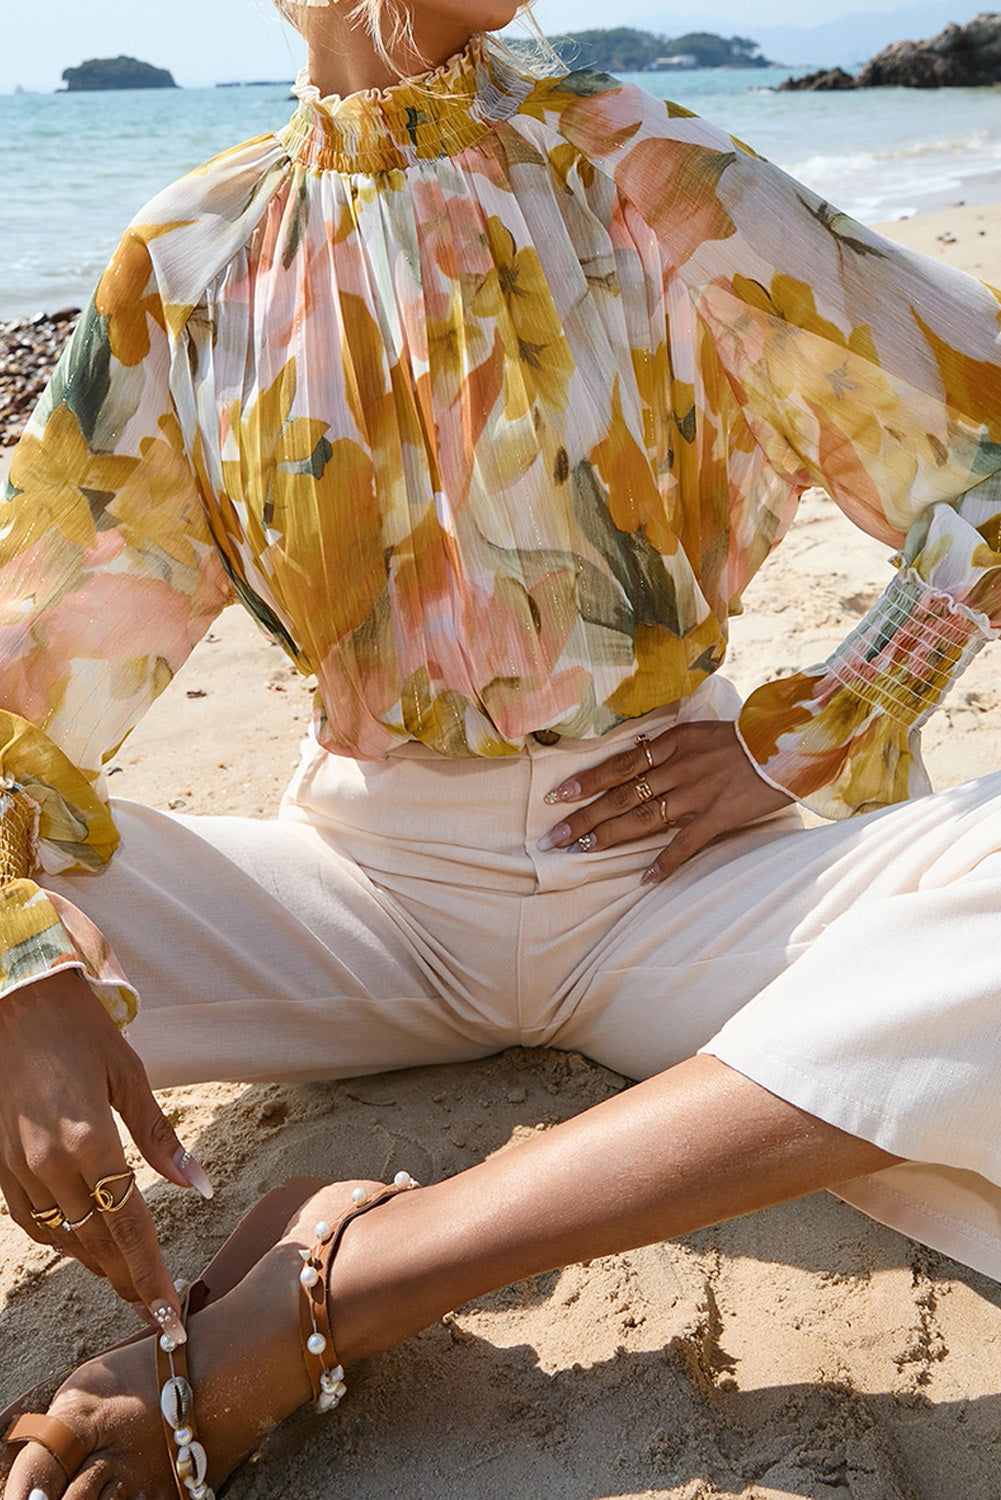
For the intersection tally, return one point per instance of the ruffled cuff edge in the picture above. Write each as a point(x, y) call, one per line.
point(44, 934)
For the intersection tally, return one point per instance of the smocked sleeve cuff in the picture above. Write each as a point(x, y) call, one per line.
point(51, 819)
point(844, 737)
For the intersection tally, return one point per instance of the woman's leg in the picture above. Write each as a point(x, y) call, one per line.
point(261, 953)
point(693, 1146)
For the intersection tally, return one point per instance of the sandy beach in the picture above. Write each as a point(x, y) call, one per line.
point(805, 1353)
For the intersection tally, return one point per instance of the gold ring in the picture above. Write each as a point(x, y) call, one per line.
point(103, 1196)
point(72, 1228)
point(643, 743)
point(662, 804)
point(644, 790)
point(49, 1218)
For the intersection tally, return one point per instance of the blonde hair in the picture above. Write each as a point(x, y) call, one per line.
point(390, 25)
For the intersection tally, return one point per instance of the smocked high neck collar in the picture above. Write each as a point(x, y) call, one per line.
point(437, 114)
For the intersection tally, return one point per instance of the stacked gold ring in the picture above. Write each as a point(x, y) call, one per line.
point(663, 809)
point(642, 742)
point(104, 1198)
point(644, 790)
point(49, 1218)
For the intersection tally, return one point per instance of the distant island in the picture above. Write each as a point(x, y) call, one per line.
point(116, 73)
point(626, 50)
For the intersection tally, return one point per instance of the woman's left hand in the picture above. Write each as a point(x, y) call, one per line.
point(695, 778)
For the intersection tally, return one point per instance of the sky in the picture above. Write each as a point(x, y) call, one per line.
point(207, 41)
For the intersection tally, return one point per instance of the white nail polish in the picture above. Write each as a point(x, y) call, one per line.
point(37, 1494)
point(193, 1172)
point(555, 838)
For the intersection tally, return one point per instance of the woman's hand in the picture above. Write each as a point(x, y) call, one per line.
point(695, 778)
point(63, 1067)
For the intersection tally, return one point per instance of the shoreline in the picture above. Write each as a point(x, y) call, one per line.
point(801, 1353)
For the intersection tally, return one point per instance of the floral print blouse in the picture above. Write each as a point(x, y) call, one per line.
point(487, 395)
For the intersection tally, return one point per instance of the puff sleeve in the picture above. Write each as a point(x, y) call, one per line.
point(108, 578)
point(859, 367)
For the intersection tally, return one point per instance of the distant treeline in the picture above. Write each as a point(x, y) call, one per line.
point(626, 50)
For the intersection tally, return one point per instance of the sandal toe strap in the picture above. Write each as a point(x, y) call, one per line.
point(69, 1451)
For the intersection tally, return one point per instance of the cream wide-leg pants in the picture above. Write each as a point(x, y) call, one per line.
point(399, 913)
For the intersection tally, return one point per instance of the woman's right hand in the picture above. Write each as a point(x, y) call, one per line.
point(63, 1068)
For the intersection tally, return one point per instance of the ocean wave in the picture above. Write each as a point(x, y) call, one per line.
point(902, 178)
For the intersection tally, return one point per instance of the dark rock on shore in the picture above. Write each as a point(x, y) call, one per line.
point(959, 57)
point(825, 78)
point(29, 348)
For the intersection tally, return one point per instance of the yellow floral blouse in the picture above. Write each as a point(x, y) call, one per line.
point(487, 396)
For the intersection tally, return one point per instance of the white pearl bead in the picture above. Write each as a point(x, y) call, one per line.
point(167, 1344)
point(322, 1230)
point(316, 1343)
point(359, 1195)
point(309, 1275)
point(183, 1436)
point(402, 1180)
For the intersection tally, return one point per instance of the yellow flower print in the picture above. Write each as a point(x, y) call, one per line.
point(972, 386)
point(146, 507)
point(127, 295)
point(668, 667)
point(772, 712)
point(634, 501)
point(54, 479)
point(532, 330)
point(267, 438)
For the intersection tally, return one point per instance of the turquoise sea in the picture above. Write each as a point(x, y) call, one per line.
point(77, 167)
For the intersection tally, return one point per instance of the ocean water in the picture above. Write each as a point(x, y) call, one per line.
point(77, 167)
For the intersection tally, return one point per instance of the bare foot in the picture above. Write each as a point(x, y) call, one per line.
point(245, 1366)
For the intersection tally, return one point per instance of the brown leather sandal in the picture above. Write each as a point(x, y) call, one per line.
point(188, 1458)
point(326, 1375)
point(253, 1237)
point(258, 1231)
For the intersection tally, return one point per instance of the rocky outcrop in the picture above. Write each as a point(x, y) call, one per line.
point(826, 78)
point(966, 56)
point(116, 73)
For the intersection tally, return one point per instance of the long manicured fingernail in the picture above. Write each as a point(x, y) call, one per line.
point(170, 1325)
point(556, 838)
point(193, 1172)
point(568, 791)
point(38, 1494)
point(651, 876)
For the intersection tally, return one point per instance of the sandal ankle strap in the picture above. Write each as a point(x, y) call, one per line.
point(188, 1459)
point(326, 1374)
